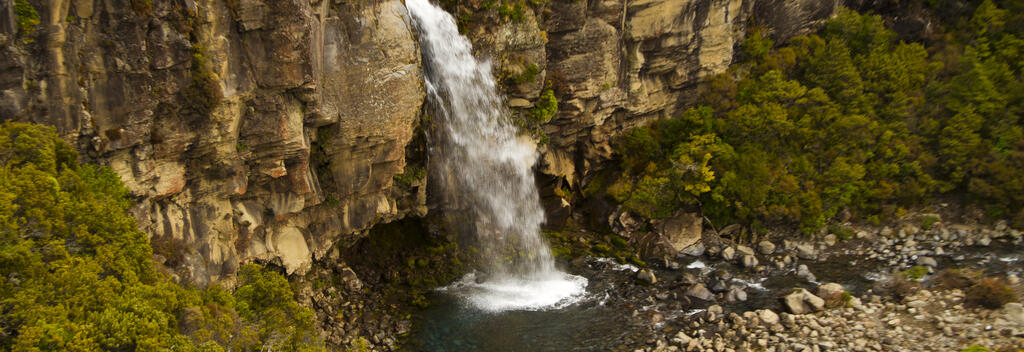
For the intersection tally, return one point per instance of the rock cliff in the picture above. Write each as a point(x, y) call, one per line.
point(278, 130)
point(245, 129)
point(615, 64)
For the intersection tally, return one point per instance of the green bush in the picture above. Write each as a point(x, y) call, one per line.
point(545, 107)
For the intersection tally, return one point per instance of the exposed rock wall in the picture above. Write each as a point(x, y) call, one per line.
point(273, 130)
point(245, 129)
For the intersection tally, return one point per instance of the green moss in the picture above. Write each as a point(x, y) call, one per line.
point(975, 348)
point(633, 259)
point(529, 74)
point(619, 241)
point(601, 248)
point(847, 297)
point(27, 20)
point(915, 273)
point(514, 11)
point(410, 175)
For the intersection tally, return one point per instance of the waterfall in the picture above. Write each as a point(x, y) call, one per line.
point(481, 161)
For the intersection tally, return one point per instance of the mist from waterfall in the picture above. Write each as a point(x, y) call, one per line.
point(481, 161)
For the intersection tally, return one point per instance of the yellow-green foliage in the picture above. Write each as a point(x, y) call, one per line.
point(848, 118)
point(915, 273)
point(76, 274)
point(545, 107)
point(27, 19)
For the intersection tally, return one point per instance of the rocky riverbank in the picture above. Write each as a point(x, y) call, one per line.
point(920, 283)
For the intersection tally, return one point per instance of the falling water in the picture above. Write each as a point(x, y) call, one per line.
point(481, 160)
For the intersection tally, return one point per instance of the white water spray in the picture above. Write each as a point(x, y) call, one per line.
point(480, 159)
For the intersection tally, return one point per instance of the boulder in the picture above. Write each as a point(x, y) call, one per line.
point(804, 273)
point(744, 250)
point(646, 275)
point(806, 251)
point(728, 253)
point(767, 317)
point(749, 261)
point(832, 293)
point(736, 294)
point(695, 250)
point(700, 292)
point(681, 339)
point(802, 302)
point(680, 231)
point(927, 261)
point(766, 247)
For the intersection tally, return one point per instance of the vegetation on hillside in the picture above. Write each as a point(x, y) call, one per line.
point(848, 118)
point(77, 275)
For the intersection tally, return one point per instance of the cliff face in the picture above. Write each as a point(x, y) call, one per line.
point(246, 129)
point(273, 130)
point(615, 64)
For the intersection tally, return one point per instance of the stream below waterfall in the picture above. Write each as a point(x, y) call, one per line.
point(617, 314)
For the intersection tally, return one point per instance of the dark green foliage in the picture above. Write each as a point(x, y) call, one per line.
point(848, 118)
point(27, 19)
point(78, 275)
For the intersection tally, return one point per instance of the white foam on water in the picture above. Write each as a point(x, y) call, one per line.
point(511, 293)
point(756, 284)
point(616, 266)
point(697, 264)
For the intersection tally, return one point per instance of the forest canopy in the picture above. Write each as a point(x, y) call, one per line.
point(848, 118)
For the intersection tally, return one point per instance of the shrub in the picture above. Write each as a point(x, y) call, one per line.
point(545, 107)
point(990, 292)
point(27, 19)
